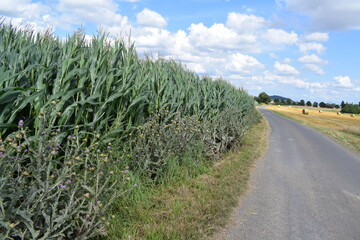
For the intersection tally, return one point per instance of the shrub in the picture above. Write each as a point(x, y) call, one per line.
point(351, 108)
point(53, 189)
point(159, 140)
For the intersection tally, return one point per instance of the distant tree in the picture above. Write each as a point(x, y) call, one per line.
point(283, 101)
point(342, 104)
point(289, 101)
point(315, 104)
point(322, 104)
point(351, 108)
point(263, 98)
point(302, 102)
point(337, 106)
point(308, 103)
point(276, 100)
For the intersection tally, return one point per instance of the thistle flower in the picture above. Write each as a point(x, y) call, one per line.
point(62, 186)
point(68, 181)
point(21, 123)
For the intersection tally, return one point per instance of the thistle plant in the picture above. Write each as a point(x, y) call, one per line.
point(159, 140)
point(52, 188)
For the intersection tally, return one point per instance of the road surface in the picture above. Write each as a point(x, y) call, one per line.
point(306, 187)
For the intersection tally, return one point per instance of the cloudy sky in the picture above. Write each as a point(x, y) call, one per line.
point(302, 49)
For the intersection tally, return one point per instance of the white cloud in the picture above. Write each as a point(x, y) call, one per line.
point(291, 80)
point(150, 18)
point(25, 12)
point(244, 23)
point(242, 63)
point(313, 58)
point(22, 9)
point(343, 81)
point(285, 69)
point(317, 37)
point(279, 37)
point(306, 47)
point(314, 68)
point(328, 14)
point(273, 55)
point(312, 62)
point(218, 36)
point(287, 60)
point(96, 11)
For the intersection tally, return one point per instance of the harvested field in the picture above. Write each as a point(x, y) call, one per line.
point(343, 128)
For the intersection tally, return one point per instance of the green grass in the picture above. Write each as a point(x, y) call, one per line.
point(193, 203)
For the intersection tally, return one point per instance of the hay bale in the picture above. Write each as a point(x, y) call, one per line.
point(305, 111)
point(278, 106)
point(338, 113)
point(352, 115)
point(320, 111)
point(289, 106)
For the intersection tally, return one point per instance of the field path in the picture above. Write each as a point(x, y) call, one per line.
point(306, 187)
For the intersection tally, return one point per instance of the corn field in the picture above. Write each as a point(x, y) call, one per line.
point(154, 110)
point(100, 85)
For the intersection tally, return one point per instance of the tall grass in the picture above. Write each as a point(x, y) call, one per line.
point(155, 111)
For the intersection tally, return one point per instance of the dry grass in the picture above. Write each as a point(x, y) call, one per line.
point(343, 128)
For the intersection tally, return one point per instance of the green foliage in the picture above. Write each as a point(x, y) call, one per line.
point(263, 98)
point(99, 86)
point(276, 100)
point(157, 141)
point(322, 104)
point(308, 103)
point(54, 190)
point(351, 108)
point(315, 104)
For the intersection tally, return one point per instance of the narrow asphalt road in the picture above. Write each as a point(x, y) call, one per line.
point(306, 187)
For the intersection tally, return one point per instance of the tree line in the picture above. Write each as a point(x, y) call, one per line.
point(263, 97)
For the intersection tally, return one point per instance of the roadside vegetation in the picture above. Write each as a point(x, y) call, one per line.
point(96, 140)
point(344, 128)
point(191, 203)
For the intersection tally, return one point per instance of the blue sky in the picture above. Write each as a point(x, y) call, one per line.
point(302, 49)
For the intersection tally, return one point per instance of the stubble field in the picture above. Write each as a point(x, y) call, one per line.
point(343, 128)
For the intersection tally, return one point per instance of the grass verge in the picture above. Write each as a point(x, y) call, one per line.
point(342, 128)
point(194, 204)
